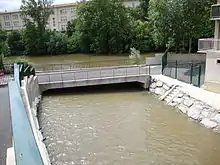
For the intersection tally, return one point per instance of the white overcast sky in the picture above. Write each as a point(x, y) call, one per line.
point(15, 4)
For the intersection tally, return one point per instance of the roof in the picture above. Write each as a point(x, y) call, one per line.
point(57, 5)
point(65, 5)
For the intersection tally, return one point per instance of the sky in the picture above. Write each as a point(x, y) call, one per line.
point(15, 4)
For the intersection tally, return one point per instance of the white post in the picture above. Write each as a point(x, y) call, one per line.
point(217, 35)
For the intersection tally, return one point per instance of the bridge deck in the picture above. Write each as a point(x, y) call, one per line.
point(96, 73)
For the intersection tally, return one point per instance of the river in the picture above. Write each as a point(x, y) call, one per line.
point(122, 125)
point(69, 58)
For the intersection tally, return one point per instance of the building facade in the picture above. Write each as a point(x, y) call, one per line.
point(58, 20)
point(211, 47)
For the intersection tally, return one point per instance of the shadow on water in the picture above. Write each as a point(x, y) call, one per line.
point(121, 87)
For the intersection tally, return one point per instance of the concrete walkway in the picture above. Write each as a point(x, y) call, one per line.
point(5, 125)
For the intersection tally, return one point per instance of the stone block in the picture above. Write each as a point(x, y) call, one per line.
point(180, 95)
point(152, 90)
point(188, 102)
point(183, 108)
point(153, 85)
point(159, 83)
point(194, 113)
point(216, 118)
point(178, 100)
point(159, 91)
point(166, 87)
point(208, 123)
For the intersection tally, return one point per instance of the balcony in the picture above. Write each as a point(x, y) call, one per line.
point(215, 12)
point(208, 44)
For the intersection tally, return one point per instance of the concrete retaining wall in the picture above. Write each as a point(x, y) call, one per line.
point(198, 104)
point(31, 97)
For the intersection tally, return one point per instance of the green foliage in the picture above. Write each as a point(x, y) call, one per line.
point(36, 17)
point(1, 61)
point(141, 38)
point(135, 56)
point(4, 50)
point(103, 26)
point(37, 12)
point(70, 28)
point(180, 21)
point(57, 43)
point(15, 43)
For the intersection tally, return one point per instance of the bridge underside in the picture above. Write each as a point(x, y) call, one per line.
point(144, 79)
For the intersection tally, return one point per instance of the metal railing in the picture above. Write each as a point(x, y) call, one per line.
point(192, 73)
point(82, 65)
point(208, 44)
point(25, 147)
point(94, 73)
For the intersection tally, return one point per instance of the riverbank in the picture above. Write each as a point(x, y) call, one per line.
point(198, 104)
point(69, 58)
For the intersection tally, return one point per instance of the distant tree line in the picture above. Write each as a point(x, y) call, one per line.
point(107, 26)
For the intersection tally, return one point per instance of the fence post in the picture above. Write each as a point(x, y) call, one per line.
point(199, 78)
point(176, 70)
point(191, 73)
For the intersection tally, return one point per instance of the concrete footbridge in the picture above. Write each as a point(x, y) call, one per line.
point(96, 76)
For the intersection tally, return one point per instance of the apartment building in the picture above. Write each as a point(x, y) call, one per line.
point(58, 20)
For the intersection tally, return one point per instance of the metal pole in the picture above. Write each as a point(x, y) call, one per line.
point(149, 69)
point(199, 78)
point(191, 73)
point(176, 70)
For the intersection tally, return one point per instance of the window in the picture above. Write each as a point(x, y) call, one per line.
point(133, 4)
point(64, 18)
point(63, 11)
point(54, 23)
point(16, 23)
point(72, 10)
point(63, 27)
point(15, 17)
point(7, 24)
point(6, 17)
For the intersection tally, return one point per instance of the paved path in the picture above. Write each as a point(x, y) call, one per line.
point(5, 124)
point(96, 73)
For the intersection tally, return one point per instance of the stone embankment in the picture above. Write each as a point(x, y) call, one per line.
point(189, 100)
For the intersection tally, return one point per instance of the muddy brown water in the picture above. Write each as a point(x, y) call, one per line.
point(122, 126)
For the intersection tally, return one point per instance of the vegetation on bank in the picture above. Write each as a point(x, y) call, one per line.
point(107, 26)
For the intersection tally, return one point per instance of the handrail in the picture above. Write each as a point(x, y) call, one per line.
point(80, 65)
point(91, 69)
point(26, 150)
point(90, 74)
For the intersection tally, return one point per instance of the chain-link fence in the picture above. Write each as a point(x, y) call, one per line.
point(189, 72)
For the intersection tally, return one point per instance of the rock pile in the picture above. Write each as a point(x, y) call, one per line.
point(193, 108)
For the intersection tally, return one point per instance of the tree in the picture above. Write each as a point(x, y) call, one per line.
point(57, 43)
point(37, 12)
point(103, 26)
point(141, 38)
point(4, 50)
point(179, 20)
point(15, 43)
point(70, 29)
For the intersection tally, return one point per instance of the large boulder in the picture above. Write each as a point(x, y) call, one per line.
point(188, 102)
point(166, 87)
point(153, 85)
point(183, 108)
point(194, 113)
point(216, 118)
point(160, 91)
point(208, 123)
point(159, 83)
